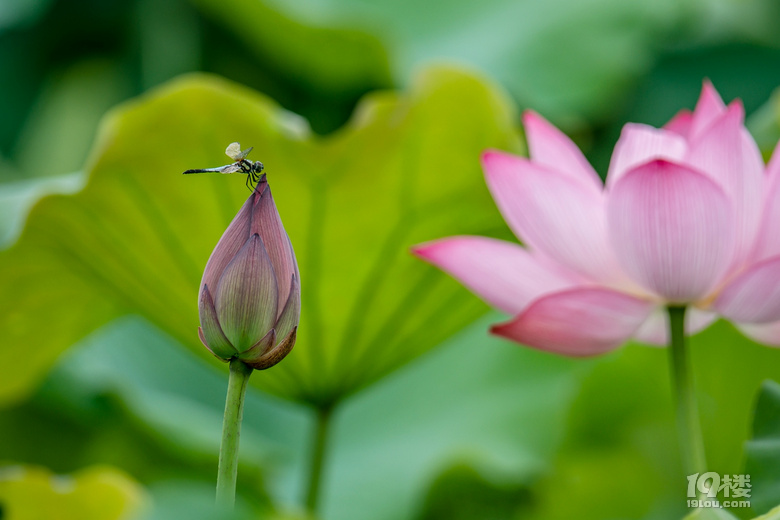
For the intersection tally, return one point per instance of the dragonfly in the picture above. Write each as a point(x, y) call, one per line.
point(240, 164)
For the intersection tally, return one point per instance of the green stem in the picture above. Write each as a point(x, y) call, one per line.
point(318, 457)
point(687, 410)
point(231, 431)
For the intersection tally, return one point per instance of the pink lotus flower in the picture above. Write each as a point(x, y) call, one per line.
point(689, 216)
point(250, 298)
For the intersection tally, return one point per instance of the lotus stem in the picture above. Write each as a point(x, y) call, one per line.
point(324, 414)
point(231, 431)
point(688, 422)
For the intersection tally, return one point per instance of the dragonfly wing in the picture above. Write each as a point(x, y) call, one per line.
point(230, 168)
point(243, 154)
point(233, 151)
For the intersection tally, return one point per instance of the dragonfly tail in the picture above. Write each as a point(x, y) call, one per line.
point(201, 171)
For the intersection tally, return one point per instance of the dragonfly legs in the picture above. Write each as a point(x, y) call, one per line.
point(252, 178)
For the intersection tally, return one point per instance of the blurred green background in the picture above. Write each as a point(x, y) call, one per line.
point(370, 116)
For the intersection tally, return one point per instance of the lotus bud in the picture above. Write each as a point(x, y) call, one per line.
point(250, 297)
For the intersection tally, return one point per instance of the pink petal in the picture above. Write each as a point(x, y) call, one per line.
point(557, 215)
point(768, 243)
point(640, 143)
point(550, 147)
point(503, 274)
point(671, 229)
point(709, 107)
point(655, 330)
point(246, 296)
point(727, 154)
point(754, 295)
point(773, 168)
point(681, 123)
point(766, 333)
point(578, 322)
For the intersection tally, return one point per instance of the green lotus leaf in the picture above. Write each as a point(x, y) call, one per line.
point(763, 450)
point(136, 238)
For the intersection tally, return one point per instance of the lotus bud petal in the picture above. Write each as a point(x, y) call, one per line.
point(246, 299)
point(210, 332)
point(260, 348)
point(267, 224)
point(249, 301)
point(290, 314)
point(276, 354)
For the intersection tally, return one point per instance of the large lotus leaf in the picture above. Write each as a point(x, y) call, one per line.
point(95, 493)
point(18, 197)
point(763, 450)
point(571, 59)
point(135, 240)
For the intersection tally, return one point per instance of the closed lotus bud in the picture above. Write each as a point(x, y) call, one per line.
point(250, 297)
